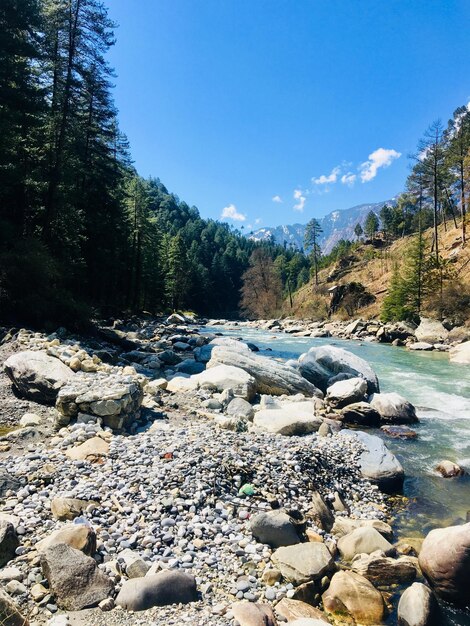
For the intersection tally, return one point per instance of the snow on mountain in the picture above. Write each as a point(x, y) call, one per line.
point(336, 225)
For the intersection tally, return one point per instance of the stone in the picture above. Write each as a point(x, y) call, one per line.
point(90, 450)
point(289, 419)
point(135, 566)
point(352, 597)
point(8, 542)
point(382, 570)
point(448, 469)
point(74, 578)
point(274, 528)
point(421, 346)
point(166, 587)
point(176, 318)
point(68, 508)
point(189, 366)
point(9, 613)
point(155, 386)
point(272, 377)
point(320, 513)
point(431, 331)
point(360, 414)
point(10, 573)
point(346, 392)
point(238, 407)
point(460, 354)
point(418, 607)
point(8, 483)
point(393, 408)
point(224, 377)
point(169, 357)
point(321, 363)
point(292, 610)
point(181, 384)
point(363, 540)
point(303, 562)
point(399, 432)
point(30, 419)
point(37, 376)
point(251, 614)
point(345, 525)
point(377, 463)
point(445, 562)
point(114, 398)
point(78, 536)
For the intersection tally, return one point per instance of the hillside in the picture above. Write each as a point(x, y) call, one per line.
point(372, 266)
point(336, 225)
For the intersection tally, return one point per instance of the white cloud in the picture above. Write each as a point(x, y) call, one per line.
point(348, 179)
point(298, 195)
point(277, 199)
point(258, 220)
point(330, 178)
point(230, 212)
point(381, 157)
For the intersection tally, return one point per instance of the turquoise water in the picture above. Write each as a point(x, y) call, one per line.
point(440, 392)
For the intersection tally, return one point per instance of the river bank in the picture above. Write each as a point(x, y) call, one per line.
point(212, 465)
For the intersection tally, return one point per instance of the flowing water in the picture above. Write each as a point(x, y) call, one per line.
point(440, 391)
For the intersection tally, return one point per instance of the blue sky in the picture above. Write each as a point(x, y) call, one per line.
point(275, 111)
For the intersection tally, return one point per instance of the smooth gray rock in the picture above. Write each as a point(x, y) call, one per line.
point(189, 366)
point(362, 540)
point(418, 607)
point(37, 376)
point(377, 463)
point(288, 421)
point(166, 587)
point(345, 392)
point(272, 377)
point(360, 414)
point(238, 407)
point(431, 331)
point(393, 408)
point(74, 578)
point(8, 483)
point(321, 363)
point(274, 528)
point(8, 542)
point(224, 377)
point(304, 562)
point(445, 562)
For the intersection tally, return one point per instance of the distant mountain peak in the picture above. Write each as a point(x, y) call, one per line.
point(336, 225)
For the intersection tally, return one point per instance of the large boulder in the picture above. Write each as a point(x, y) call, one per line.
point(272, 377)
point(346, 392)
point(93, 449)
point(303, 562)
point(238, 407)
point(418, 607)
point(345, 525)
point(37, 376)
point(460, 354)
point(114, 398)
point(362, 540)
point(8, 542)
point(9, 613)
point(166, 587)
point(383, 570)
point(431, 331)
point(377, 463)
point(360, 414)
point(78, 536)
point(352, 597)
point(288, 418)
point(393, 408)
point(275, 528)
point(322, 363)
point(68, 508)
point(222, 377)
point(74, 579)
point(253, 614)
point(445, 562)
point(291, 610)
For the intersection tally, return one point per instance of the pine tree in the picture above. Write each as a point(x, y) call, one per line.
point(312, 232)
point(358, 231)
point(371, 225)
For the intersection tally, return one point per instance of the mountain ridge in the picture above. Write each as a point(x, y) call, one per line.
point(336, 225)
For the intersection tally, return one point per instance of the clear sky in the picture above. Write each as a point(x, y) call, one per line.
point(275, 111)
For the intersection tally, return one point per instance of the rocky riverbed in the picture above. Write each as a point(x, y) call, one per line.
point(156, 467)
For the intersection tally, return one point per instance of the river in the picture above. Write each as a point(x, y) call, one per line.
point(440, 392)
